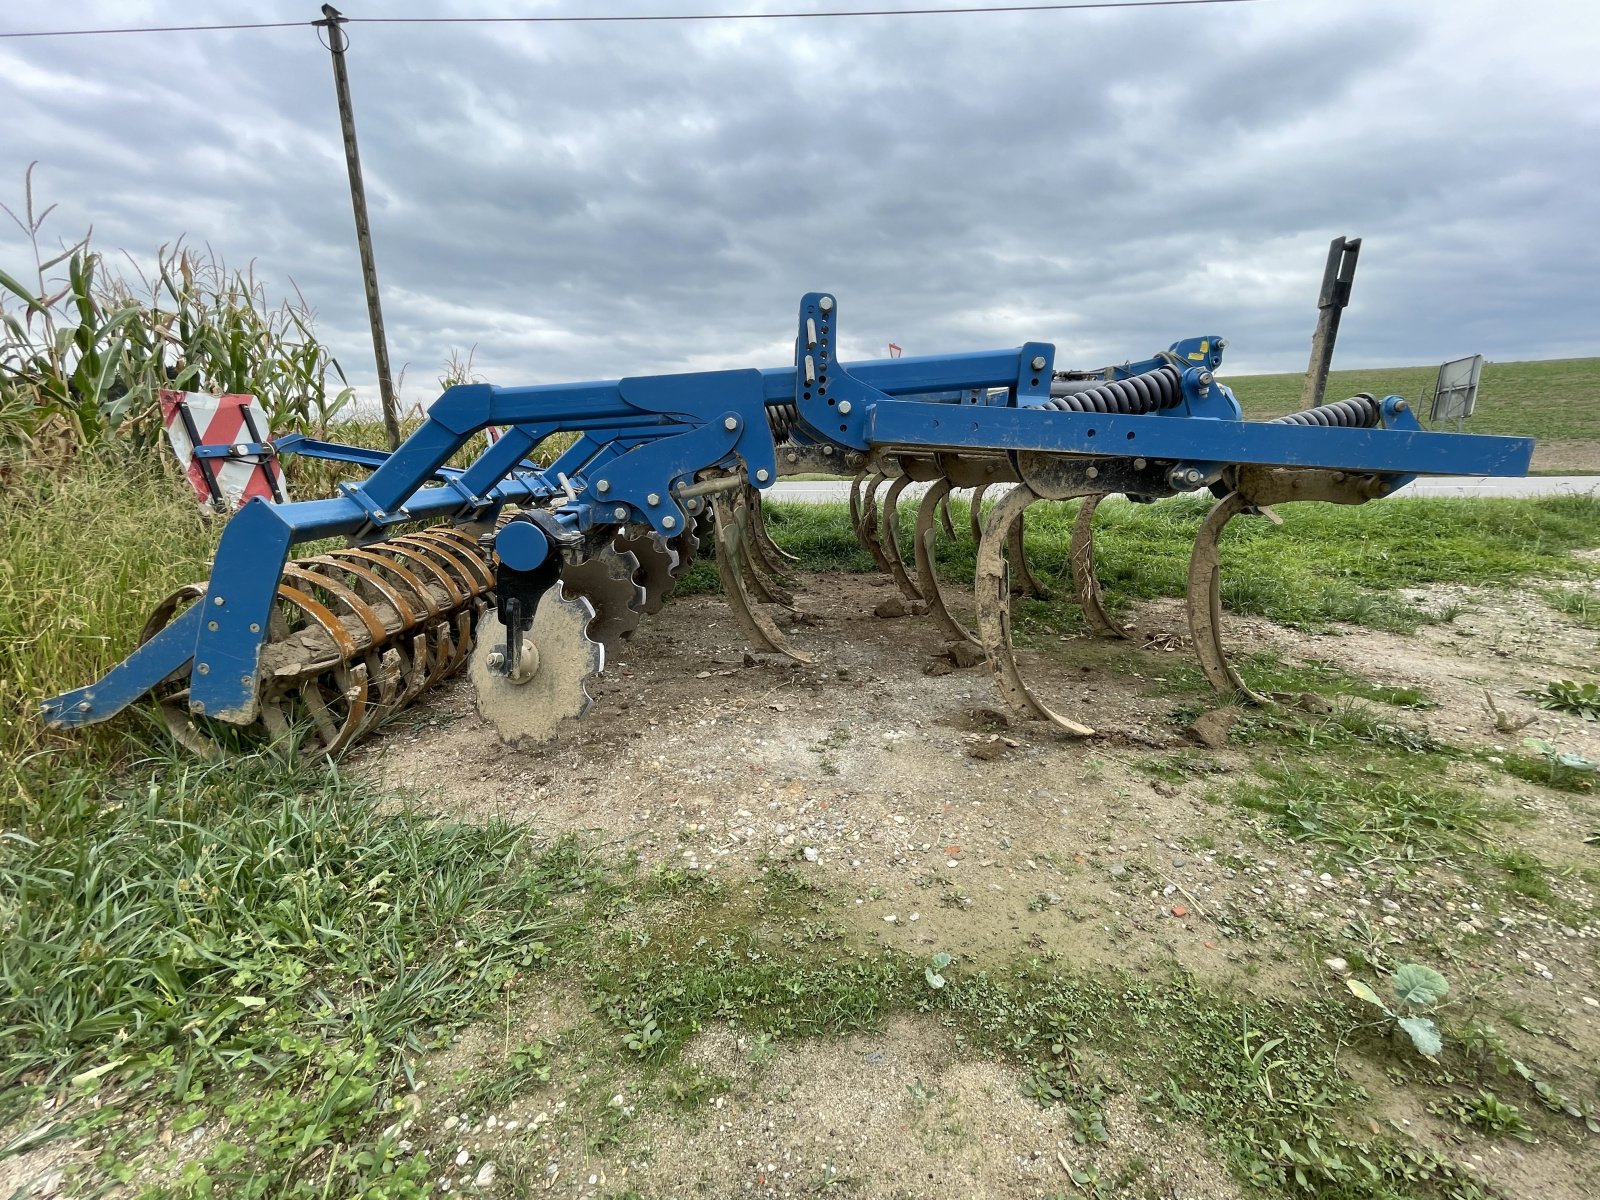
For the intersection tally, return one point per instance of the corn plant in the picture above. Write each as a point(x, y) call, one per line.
point(84, 351)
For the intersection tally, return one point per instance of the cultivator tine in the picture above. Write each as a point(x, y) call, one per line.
point(936, 497)
point(760, 571)
point(867, 533)
point(889, 541)
point(757, 626)
point(1023, 581)
point(1085, 583)
point(857, 486)
point(944, 516)
point(993, 591)
point(1203, 600)
point(775, 554)
point(975, 515)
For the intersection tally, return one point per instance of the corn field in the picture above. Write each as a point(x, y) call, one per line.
point(85, 349)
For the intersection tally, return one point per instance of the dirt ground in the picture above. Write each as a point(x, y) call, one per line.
point(935, 822)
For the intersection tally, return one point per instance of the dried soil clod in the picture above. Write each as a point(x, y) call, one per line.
point(1213, 729)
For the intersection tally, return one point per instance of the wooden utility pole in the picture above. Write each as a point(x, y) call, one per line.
point(337, 42)
point(1331, 301)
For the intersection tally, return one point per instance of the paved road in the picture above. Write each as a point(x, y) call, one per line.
point(829, 491)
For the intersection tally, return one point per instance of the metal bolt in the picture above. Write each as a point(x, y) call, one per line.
point(763, 475)
point(730, 423)
point(246, 680)
point(203, 668)
point(669, 522)
point(1093, 473)
point(1221, 343)
point(1038, 362)
point(1401, 406)
point(602, 486)
point(1139, 464)
point(653, 499)
point(217, 600)
point(827, 451)
point(254, 628)
point(844, 408)
point(380, 515)
point(211, 625)
point(620, 513)
point(1205, 378)
point(1193, 475)
point(84, 706)
point(826, 304)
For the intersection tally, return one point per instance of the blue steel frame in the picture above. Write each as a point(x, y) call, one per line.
point(643, 437)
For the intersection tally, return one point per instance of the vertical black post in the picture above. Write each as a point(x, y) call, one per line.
point(333, 22)
point(1331, 301)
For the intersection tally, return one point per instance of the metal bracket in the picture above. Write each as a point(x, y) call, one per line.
point(832, 404)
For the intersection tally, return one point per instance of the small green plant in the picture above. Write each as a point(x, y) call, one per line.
point(1564, 695)
point(1487, 1112)
point(762, 1050)
point(935, 980)
point(1416, 988)
point(1561, 765)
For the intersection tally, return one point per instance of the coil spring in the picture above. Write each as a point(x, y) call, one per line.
point(1360, 411)
point(781, 419)
point(1137, 394)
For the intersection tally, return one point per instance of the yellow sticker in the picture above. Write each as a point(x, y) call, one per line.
point(1199, 356)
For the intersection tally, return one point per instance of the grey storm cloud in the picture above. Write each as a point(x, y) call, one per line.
point(585, 201)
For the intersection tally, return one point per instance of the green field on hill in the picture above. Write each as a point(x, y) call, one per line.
point(1557, 398)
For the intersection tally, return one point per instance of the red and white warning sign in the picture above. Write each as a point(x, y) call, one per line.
point(234, 461)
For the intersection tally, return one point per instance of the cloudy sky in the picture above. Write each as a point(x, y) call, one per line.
point(586, 201)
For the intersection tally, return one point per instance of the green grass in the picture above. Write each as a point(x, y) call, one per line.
point(260, 946)
point(1377, 817)
point(85, 555)
point(1550, 399)
point(1582, 606)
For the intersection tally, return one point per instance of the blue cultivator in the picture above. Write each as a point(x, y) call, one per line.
point(541, 568)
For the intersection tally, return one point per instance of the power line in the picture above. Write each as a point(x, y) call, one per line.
point(592, 19)
point(787, 16)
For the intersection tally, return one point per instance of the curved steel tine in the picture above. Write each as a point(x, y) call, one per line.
point(855, 502)
point(1203, 599)
point(890, 539)
point(757, 626)
point(993, 590)
point(1024, 581)
point(775, 553)
point(944, 516)
point(975, 515)
point(867, 534)
point(748, 505)
point(1085, 583)
point(766, 588)
point(936, 497)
